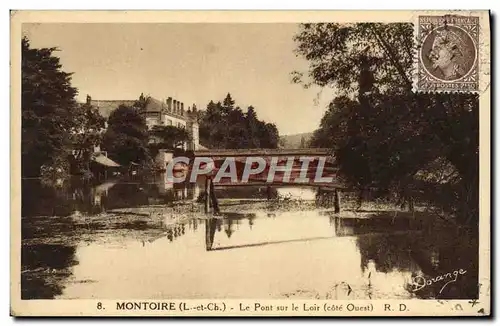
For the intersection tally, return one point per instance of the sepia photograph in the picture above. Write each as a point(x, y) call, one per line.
point(295, 165)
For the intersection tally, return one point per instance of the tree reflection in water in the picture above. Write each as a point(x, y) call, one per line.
point(44, 268)
point(75, 195)
point(228, 222)
point(410, 246)
point(427, 254)
point(386, 243)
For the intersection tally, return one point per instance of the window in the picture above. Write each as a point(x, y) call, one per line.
point(169, 122)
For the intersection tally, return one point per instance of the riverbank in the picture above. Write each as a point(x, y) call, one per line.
point(151, 220)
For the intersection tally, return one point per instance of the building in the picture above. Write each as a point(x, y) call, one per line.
point(169, 112)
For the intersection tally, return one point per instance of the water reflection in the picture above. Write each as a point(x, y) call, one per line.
point(76, 196)
point(247, 192)
point(297, 193)
point(57, 220)
point(340, 226)
point(175, 232)
point(44, 267)
point(252, 254)
point(389, 250)
point(375, 222)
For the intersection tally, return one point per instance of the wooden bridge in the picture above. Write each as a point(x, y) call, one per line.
point(329, 169)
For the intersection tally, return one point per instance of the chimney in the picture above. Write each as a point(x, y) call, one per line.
point(175, 106)
point(194, 108)
point(178, 108)
point(89, 99)
point(182, 108)
point(169, 104)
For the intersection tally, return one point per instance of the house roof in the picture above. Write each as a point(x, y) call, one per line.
point(105, 107)
point(155, 105)
point(104, 160)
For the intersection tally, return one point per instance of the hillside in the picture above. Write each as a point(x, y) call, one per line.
point(295, 140)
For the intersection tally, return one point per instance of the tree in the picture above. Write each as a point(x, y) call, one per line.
point(85, 135)
point(252, 126)
point(47, 106)
point(228, 103)
point(223, 125)
point(237, 132)
point(170, 136)
point(268, 134)
point(337, 54)
point(212, 130)
point(142, 102)
point(382, 132)
point(126, 138)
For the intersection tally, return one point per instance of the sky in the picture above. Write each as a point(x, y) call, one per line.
point(191, 62)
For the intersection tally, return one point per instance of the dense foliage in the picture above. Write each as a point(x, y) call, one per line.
point(223, 125)
point(169, 136)
point(126, 138)
point(85, 137)
point(384, 135)
point(48, 111)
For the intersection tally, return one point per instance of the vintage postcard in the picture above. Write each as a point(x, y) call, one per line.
point(206, 163)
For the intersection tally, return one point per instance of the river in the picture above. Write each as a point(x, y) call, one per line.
point(124, 239)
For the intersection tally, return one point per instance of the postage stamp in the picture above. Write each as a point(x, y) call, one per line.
point(448, 55)
point(206, 163)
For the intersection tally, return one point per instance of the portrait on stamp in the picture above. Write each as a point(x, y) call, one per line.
point(448, 54)
point(451, 55)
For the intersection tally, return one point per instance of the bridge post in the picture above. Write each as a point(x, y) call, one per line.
point(213, 197)
point(207, 195)
point(336, 201)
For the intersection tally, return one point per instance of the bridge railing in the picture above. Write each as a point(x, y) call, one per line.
point(265, 152)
